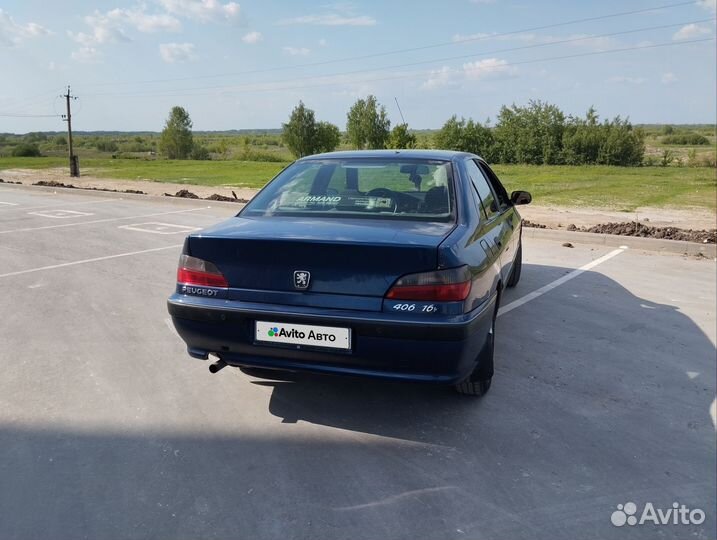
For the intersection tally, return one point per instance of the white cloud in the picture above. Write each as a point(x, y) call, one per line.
point(12, 33)
point(332, 19)
point(87, 55)
point(471, 71)
point(691, 31)
point(252, 38)
point(490, 67)
point(177, 52)
point(296, 51)
point(337, 14)
point(203, 10)
point(623, 79)
point(322, 42)
point(440, 78)
point(711, 5)
point(668, 78)
point(146, 22)
point(111, 27)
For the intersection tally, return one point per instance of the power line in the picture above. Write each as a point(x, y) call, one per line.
point(22, 115)
point(411, 64)
point(405, 50)
point(424, 73)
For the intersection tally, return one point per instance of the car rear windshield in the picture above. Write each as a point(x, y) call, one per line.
point(373, 188)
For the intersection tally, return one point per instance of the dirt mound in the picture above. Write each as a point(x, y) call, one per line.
point(52, 183)
point(8, 182)
point(528, 223)
point(635, 228)
point(183, 194)
point(217, 197)
point(186, 194)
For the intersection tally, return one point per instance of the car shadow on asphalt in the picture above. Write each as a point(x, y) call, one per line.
point(588, 352)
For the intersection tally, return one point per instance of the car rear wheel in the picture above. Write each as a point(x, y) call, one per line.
point(517, 267)
point(478, 383)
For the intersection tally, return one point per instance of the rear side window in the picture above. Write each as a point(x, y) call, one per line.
point(500, 192)
point(378, 188)
point(490, 207)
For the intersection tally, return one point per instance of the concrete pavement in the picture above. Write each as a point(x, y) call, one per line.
point(602, 395)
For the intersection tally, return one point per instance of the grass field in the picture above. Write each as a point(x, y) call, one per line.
point(615, 188)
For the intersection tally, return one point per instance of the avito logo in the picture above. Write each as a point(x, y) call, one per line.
point(298, 334)
point(282, 332)
point(679, 514)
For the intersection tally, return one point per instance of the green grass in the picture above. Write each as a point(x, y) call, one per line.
point(616, 188)
point(253, 174)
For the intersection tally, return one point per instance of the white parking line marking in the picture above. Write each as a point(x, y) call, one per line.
point(8, 203)
point(85, 261)
point(550, 286)
point(77, 224)
point(155, 227)
point(60, 214)
point(97, 201)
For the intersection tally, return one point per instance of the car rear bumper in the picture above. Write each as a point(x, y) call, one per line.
point(383, 345)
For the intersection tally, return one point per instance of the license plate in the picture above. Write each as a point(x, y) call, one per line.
point(325, 337)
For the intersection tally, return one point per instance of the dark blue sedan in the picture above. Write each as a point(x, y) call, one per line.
point(383, 264)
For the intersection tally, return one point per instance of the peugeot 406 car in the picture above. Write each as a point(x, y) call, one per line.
point(385, 264)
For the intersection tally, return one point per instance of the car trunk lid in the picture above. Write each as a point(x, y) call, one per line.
point(350, 263)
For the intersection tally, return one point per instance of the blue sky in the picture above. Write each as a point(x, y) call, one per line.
point(237, 65)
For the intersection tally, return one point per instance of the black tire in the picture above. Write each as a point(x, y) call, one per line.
point(478, 383)
point(471, 388)
point(517, 267)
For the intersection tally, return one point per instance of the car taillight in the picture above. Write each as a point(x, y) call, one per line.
point(450, 285)
point(194, 271)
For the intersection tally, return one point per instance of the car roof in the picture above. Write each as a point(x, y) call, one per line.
point(446, 155)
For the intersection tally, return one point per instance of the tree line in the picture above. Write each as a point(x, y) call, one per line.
point(538, 133)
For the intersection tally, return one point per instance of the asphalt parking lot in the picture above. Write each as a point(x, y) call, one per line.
point(605, 377)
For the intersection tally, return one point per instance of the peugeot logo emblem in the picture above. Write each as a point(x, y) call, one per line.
point(301, 279)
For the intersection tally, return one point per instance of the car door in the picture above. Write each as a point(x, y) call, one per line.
point(493, 235)
point(511, 218)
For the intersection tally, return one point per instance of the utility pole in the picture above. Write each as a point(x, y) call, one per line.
point(74, 162)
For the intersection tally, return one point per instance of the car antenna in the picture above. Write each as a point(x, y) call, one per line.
point(399, 110)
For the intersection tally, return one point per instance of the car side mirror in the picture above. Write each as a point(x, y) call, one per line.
point(521, 197)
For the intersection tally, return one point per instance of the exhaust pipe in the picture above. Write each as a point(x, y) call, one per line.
point(216, 366)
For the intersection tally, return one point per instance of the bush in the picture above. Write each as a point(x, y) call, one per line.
point(106, 146)
point(621, 145)
point(401, 137)
point(692, 139)
point(35, 137)
point(200, 152)
point(532, 134)
point(26, 150)
point(666, 158)
point(467, 136)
